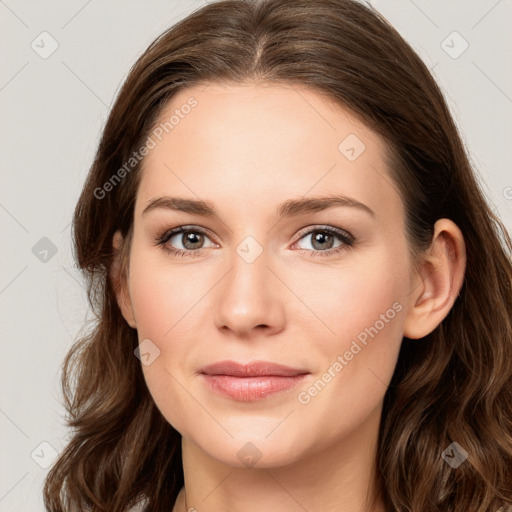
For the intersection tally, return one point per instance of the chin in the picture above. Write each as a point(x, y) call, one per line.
point(249, 447)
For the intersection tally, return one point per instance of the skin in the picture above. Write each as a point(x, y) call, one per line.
point(247, 148)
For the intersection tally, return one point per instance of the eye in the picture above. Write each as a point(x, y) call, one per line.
point(190, 238)
point(323, 240)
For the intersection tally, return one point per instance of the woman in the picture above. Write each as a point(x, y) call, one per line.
point(239, 365)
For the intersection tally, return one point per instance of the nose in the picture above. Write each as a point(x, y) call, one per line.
point(250, 298)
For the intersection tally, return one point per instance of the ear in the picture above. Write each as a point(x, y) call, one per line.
point(438, 284)
point(119, 279)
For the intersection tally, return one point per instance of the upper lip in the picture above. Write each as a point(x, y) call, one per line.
point(253, 369)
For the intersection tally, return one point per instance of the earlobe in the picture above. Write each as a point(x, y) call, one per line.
point(438, 282)
point(119, 281)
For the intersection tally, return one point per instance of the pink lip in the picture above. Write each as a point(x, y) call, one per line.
point(253, 381)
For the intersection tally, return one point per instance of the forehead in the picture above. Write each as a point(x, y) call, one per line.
point(264, 143)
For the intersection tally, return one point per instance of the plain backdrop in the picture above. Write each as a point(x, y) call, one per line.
point(62, 65)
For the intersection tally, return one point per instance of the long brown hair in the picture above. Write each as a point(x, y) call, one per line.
point(454, 385)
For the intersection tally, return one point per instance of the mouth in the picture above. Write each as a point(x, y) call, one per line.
point(252, 381)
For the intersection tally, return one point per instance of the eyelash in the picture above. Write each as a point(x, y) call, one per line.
point(345, 237)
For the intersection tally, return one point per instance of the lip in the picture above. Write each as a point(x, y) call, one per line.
point(252, 369)
point(251, 381)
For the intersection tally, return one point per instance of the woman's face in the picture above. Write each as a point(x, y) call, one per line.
point(273, 271)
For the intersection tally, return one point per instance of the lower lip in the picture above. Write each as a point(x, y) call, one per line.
point(248, 389)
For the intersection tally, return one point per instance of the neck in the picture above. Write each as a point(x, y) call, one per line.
point(340, 477)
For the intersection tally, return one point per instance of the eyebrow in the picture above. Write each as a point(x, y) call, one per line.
point(289, 208)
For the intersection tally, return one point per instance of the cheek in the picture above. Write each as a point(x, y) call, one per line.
point(161, 296)
point(354, 297)
point(163, 300)
point(365, 302)
point(362, 310)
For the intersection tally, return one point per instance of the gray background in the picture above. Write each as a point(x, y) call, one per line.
point(53, 110)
